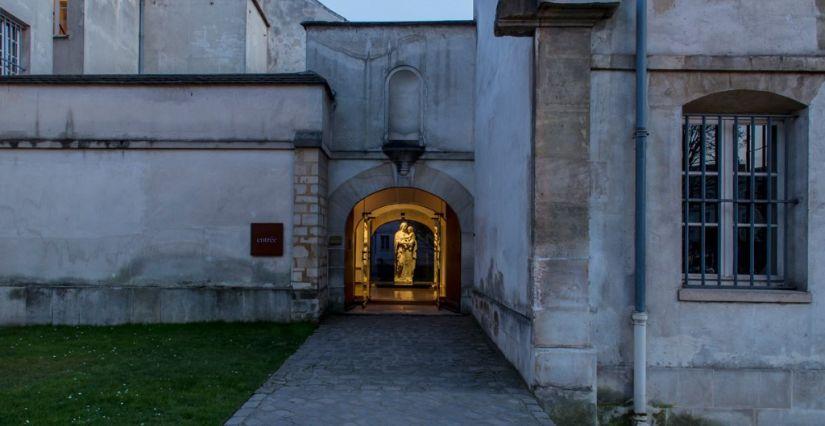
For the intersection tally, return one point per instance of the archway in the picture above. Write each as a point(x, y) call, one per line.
point(402, 245)
point(350, 191)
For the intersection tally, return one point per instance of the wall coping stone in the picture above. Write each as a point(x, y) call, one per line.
point(213, 286)
point(744, 296)
point(300, 79)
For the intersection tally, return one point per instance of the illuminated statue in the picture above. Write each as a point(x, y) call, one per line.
point(406, 253)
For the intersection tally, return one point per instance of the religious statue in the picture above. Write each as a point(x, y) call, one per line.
point(406, 253)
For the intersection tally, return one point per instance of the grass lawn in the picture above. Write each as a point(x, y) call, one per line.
point(134, 374)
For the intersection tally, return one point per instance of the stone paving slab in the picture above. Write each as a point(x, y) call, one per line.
point(394, 370)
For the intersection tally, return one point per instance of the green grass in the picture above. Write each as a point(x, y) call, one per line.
point(136, 374)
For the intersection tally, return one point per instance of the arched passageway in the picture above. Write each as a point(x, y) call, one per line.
point(402, 246)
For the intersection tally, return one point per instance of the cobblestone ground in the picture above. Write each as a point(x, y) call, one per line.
point(394, 370)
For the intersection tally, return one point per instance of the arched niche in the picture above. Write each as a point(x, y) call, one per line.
point(405, 105)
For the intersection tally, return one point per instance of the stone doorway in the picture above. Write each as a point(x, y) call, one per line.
point(402, 246)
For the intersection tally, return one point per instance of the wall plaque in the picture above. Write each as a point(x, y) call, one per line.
point(267, 239)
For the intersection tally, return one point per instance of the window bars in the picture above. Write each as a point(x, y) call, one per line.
point(733, 202)
point(11, 37)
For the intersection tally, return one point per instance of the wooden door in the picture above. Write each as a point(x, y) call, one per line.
point(349, 265)
point(452, 299)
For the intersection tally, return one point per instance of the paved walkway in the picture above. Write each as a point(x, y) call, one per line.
point(394, 370)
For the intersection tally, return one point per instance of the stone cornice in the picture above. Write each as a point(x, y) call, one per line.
point(522, 17)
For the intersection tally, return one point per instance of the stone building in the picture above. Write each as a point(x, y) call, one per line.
point(169, 179)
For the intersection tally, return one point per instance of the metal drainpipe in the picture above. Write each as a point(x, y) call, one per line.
point(639, 317)
point(141, 7)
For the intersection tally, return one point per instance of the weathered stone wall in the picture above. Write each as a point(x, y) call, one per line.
point(565, 360)
point(37, 14)
point(503, 158)
point(718, 27)
point(287, 37)
point(309, 232)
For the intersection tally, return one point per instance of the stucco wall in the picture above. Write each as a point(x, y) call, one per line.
point(257, 35)
point(181, 113)
point(287, 38)
point(194, 36)
point(718, 27)
point(356, 61)
point(503, 155)
point(140, 217)
point(37, 14)
point(111, 37)
point(143, 215)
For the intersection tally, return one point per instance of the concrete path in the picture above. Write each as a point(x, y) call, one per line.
point(394, 370)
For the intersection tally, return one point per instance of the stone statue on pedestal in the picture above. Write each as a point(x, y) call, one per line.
point(406, 254)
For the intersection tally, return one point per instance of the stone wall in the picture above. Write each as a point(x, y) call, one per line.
point(309, 232)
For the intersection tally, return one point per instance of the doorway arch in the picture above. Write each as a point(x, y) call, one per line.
point(437, 229)
point(344, 196)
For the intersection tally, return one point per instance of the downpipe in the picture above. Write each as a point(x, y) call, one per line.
point(639, 317)
point(640, 415)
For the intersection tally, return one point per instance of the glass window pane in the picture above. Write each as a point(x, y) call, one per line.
point(695, 249)
point(743, 251)
point(711, 187)
point(711, 213)
point(695, 149)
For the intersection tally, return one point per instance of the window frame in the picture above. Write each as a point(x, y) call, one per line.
point(727, 202)
point(12, 60)
point(58, 18)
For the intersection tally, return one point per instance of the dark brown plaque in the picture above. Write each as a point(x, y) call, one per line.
point(267, 239)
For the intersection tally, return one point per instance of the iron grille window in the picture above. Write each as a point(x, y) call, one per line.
point(733, 189)
point(11, 38)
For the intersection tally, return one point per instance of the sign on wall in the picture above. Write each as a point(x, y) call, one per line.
point(267, 239)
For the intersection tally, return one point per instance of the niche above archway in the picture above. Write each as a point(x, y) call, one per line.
point(404, 140)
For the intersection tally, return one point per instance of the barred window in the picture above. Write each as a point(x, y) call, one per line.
point(733, 190)
point(11, 39)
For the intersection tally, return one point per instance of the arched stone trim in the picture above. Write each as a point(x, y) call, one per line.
point(743, 101)
point(678, 89)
